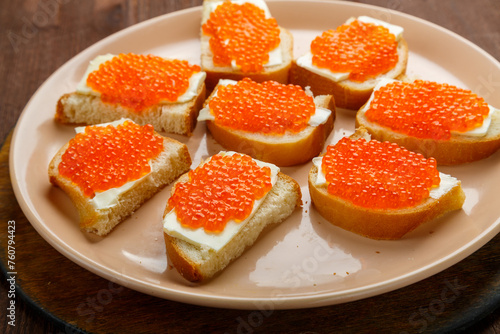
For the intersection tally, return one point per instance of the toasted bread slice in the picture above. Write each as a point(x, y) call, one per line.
point(347, 94)
point(458, 149)
point(198, 263)
point(282, 150)
point(277, 72)
point(380, 223)
point(180, 118)
point(172, 162)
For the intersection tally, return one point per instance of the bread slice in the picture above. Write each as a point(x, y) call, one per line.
point(348, 94)
point(458, 149)
point(180, 118)
point(172, 162)
point(277, 73)
point(198, 263)
point(287, 150)
point(380, 223)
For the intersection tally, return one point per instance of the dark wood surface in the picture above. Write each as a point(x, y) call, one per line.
point(56, 296)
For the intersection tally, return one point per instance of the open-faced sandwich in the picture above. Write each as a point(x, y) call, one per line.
point(109, 170)
point(379, 189)
point(346, 62)
point(166, 93)
point(240, 38)
point(219, 209)
point(281, 124)
point(439, 120)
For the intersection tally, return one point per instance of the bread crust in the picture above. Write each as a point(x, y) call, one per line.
point(172, 162)
point(180, 118)
point(456, 150)
point(287, 150)
point(280, 202)
point(347, 94)
point(277, 73)
point(378, 223)
point(185, 267)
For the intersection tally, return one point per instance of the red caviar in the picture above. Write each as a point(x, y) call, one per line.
point(378, 175)
point(241, 33)
point(268, 107)
point(364, 50)
point(141, 81)
point(426, 109)
point(105, 157)
point(222, 189)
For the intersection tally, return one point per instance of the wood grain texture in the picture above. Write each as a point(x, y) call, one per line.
point(37, 37)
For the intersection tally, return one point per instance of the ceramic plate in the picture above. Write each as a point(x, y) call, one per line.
point(305, 261)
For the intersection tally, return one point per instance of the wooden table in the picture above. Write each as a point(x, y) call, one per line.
point(56, 296)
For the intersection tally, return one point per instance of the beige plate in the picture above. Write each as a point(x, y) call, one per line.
point(304, 262)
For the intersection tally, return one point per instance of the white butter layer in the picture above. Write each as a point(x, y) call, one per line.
point(80, 129)
point(305, 61)
point(216, 241)
point(320, 115)
point(320, 178)
point(275, 55)
point(109, 198)
point(381, 82)
point(476, 132)
point(195, 81)
point(482, 130)
point(82, 87)
point(397, 31)
point(446, 184)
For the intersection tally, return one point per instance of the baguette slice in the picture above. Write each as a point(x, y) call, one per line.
point(277, 73)
point(347, 94)
point(198, 263)
point(180, 118)
point(457, 150)
point(287, 150)
point(379, 223)
point(172, 162)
